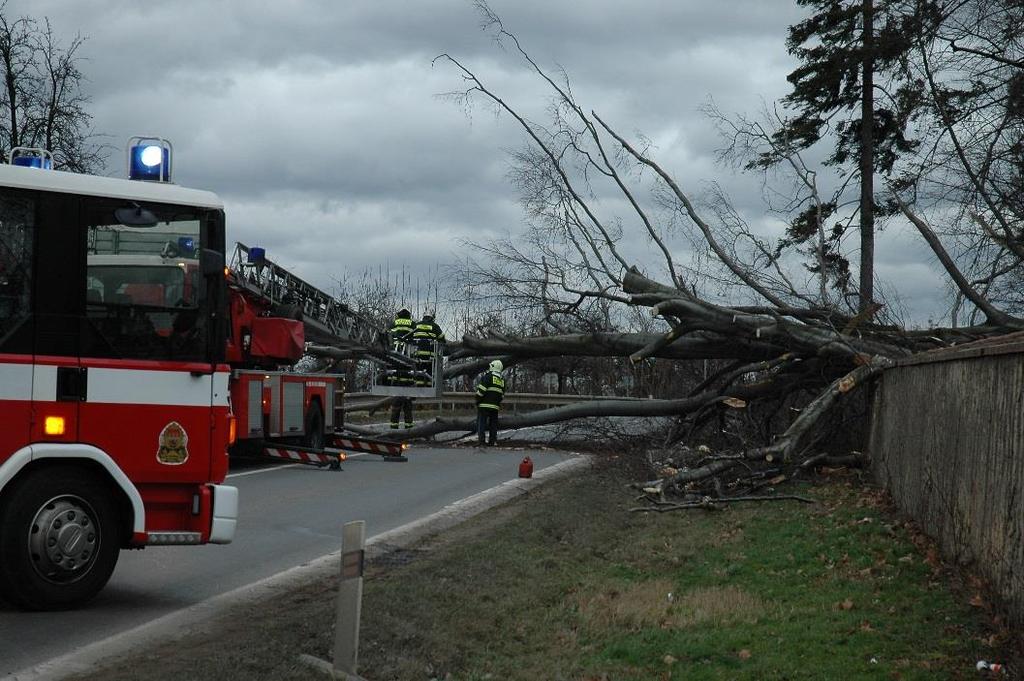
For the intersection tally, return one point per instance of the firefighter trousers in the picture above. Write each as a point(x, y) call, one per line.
point(401, 406)
point(487, 422)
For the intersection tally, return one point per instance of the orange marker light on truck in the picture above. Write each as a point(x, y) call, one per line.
point(53, 425)
point(232, 430)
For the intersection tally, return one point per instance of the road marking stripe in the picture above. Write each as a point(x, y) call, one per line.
point(262, 470)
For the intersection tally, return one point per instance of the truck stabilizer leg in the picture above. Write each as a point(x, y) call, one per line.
point(293, 454)
point(390, 451)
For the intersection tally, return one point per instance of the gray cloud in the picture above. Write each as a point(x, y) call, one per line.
point(319, 122)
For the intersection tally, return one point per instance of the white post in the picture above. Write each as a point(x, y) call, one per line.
point(350, 599)
point(349, 607)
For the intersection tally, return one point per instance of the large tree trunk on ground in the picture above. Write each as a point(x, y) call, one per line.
point(735, 395)
point(697, 346)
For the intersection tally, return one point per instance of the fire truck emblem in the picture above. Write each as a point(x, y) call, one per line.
point(173, 449)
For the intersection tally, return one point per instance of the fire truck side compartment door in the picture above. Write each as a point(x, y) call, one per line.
point(273, 384)
point(329, 406)
point(294, 419)
point(254, 410)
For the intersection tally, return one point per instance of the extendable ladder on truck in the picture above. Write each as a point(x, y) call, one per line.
point(335, 330)
point(327, 321)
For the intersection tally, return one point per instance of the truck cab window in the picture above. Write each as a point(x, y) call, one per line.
point(144, 291)
point(16, 235)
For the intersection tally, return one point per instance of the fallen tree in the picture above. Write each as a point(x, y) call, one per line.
point(789, 329)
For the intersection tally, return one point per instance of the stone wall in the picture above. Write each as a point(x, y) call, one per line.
point(947, 441)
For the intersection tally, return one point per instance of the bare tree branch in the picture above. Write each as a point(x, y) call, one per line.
point(994, 316)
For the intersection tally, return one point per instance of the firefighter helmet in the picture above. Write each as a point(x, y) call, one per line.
point(497, 366)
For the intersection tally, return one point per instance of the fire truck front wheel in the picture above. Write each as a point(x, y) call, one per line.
point(59, 536)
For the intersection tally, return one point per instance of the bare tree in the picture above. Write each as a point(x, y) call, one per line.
point(967, 178)
point(42, 102)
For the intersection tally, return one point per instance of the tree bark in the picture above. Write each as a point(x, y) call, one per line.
point(698, 345)
point(867, 161)
point(638, 407)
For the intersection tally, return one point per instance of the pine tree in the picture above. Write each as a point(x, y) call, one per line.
point(854, 87)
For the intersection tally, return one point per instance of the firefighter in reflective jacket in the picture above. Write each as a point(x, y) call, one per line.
point(401, 336)
point(401, 330)
point(490, 390)
point(427, 337)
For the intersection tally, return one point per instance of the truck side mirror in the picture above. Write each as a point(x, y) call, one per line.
point(211, 263)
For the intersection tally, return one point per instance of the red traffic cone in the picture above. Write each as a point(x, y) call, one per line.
point(526, 468)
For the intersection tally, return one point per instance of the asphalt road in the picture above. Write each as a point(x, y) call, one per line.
point(289, 515)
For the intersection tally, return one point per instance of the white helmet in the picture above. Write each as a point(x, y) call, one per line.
point(497, 366)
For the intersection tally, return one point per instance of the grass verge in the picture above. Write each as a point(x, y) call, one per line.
point(565, 583)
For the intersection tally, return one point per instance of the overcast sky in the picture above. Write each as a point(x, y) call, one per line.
point(318, 121)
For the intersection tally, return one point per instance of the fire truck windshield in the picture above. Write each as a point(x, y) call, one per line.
point(76, 280)
point(145, 295)
point(157, 284)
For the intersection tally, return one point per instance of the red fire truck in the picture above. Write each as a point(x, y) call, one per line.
point(127, 350)
point(284, 412)
point(114, 385)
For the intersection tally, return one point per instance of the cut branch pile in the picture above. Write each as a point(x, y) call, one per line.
point(700, 479)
